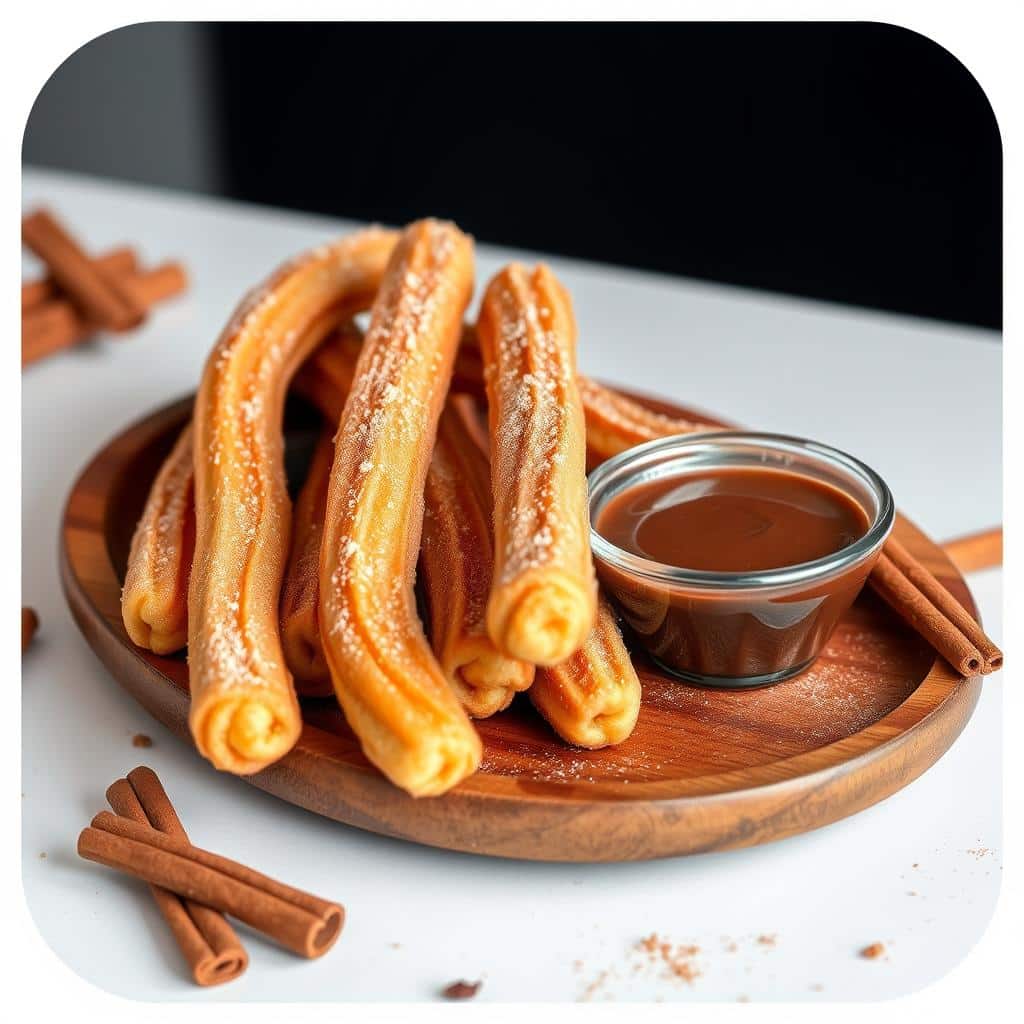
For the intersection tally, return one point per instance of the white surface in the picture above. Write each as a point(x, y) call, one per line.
point(919, 872)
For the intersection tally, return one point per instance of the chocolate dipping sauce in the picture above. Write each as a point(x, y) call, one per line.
point(733, 520)
point(746, 519)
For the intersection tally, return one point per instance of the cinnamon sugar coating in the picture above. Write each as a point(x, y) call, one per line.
point(543, 594)
point(244, 713)
point(592, 699)
point(154, 600)
point(456, 561)
point(387, 680)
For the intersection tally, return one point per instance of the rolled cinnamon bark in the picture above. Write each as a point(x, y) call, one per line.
point(100, 296)
point(118, 262)
point(214, 952)
point(303, 923)
point(931, 610)
point(57, 324)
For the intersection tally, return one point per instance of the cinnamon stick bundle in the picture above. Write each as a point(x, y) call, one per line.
point(96, 292)
point(214, 952)
point(931, 610)
point(57, 324)
point(29, 625)
point(305, 924)
point(118, 262)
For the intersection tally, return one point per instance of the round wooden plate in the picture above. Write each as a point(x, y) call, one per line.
point(704, 769)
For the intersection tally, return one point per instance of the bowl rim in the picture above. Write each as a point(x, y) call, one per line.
point(816, 570)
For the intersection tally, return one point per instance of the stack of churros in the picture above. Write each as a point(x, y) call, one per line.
point(412, 476)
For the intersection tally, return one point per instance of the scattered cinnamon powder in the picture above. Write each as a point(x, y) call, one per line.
point(461, 990)
point(140, 739)
point(676, 959)
point(766, 940)
point(873, 952)
point(595, 986)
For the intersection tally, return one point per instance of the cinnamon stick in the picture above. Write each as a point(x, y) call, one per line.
point(29, 625)
point(57, 324)
point(302, 923)
point(930, 609)
point(99, 295)
point(214, 952)
point(982, 550)
point(118, 262)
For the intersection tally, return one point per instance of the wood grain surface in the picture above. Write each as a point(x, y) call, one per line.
point(704, 770)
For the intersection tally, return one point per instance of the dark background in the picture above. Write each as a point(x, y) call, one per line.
point(851, 162)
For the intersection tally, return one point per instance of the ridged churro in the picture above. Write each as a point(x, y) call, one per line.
point(543, 594)
point(456, 561)
point(591, 700)
point(388, 682)
point(244, 713)
point(300, 593)
point(616, 422)
point(154, 601)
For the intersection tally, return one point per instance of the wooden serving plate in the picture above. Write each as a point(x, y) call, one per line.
point(704, 770)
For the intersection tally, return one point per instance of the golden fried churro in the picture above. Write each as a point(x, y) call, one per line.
point(543, 595)
point(591, 700)
point(300, 594)
point(615, 422)
point(244, 713)
point(456, 559)
point(390, 686)
point(154, 601)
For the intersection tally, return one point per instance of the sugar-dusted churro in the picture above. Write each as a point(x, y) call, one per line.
point(591, 700)
point(388, 682)
point(300, 594)
point(616, 422)
point(542, 601)
point(456, 561)
point(244, 713)
point(154, 601)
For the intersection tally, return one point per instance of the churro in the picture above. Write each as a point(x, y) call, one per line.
point(388, 682)
point(543, 594)
point(300, 629)
point(591, 700)
point(244, 713)
point(154, 600)
point(616, 422)
point(456, 560)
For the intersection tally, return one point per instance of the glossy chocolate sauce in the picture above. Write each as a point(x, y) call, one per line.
point(733, 520)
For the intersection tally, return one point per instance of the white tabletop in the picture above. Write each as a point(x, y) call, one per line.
point(920, 872)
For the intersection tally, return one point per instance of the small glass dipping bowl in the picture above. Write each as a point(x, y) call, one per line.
point(737, 629)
